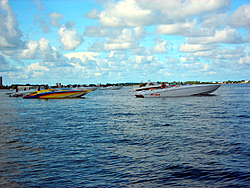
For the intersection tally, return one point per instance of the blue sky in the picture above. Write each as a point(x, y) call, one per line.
point(90, 42)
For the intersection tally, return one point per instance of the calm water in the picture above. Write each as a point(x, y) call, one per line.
point(112, 139)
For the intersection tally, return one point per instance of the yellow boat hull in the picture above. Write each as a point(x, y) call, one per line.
point(56, 94)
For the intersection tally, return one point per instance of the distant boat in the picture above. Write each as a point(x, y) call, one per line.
point(111, 88)
point(56, 94)
point(92, 88)
point(19, 93)
point(179, 91)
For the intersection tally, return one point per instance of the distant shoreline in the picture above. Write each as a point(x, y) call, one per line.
point(14, 86)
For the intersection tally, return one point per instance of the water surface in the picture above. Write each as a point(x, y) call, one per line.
point(113, 139)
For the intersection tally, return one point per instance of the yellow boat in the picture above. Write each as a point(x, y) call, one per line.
point(56, 94)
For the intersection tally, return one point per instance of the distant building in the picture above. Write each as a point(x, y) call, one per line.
point(58, 85)
point(1, 81)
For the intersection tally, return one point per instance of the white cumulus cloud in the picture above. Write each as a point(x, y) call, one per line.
point(241, 17)
point(70, 38)
point(188, 29)
point(31, 50)
point(93, 14)
point(160, 47)
point(54, 18)
point(227, 35)
point(140, 32)
point(10, 35)
point(194, 47)
point(182, 10)
point(124, 13)
point(5, 65)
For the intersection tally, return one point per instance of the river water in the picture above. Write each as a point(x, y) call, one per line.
point(113, 139)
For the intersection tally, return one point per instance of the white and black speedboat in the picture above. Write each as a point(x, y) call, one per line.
point(179, 91)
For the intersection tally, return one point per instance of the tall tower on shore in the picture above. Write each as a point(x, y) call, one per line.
point(1, 81)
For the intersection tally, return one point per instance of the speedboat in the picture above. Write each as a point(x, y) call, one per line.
point(111, 87)
point(56, 94)
point(179, 91)
point(147, 86)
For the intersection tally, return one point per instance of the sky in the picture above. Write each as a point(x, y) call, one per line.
point(108, 41)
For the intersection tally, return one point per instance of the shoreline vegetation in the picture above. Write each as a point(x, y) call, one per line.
point(14, 86)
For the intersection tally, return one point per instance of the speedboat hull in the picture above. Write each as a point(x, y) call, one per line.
point(179, 91)
point(56, 94)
